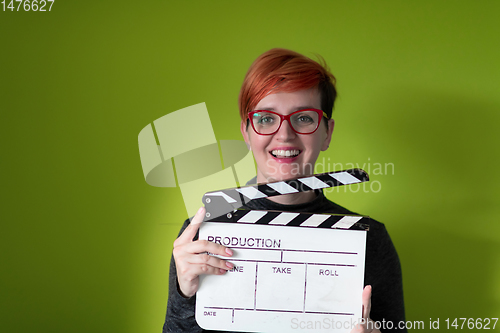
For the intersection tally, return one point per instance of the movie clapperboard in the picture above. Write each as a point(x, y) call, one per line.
point(290, 269)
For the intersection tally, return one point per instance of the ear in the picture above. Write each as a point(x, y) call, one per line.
point(244, 133)
point(328, 138)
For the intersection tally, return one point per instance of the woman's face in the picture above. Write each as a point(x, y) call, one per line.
point(270, 150)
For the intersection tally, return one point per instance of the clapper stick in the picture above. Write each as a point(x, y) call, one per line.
point(224, 203)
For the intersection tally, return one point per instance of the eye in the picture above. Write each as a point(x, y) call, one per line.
point(305, 119)
point(264, 118)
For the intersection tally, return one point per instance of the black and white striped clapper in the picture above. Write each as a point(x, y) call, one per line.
point(224, 205)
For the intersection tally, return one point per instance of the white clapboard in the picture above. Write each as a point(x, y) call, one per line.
point(293, 271)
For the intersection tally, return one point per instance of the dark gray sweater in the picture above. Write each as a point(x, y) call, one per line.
point(382, 270)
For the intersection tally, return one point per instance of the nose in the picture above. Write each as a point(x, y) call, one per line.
point(285, 132)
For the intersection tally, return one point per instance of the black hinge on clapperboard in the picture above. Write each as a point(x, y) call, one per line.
point(225, 205)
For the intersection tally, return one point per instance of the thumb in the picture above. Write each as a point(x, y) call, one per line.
point(192, 228)
point(366, 298)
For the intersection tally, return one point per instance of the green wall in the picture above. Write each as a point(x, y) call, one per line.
point(85, 242)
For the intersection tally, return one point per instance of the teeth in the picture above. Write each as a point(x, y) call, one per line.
point(285, 153)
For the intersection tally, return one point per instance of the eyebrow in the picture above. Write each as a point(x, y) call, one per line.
point(295, 109)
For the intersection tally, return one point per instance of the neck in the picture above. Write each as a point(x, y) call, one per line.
point(294, 198)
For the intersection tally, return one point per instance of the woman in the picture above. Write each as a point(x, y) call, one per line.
point(286, 104)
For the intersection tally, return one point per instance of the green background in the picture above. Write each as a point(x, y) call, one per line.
point(85, 242)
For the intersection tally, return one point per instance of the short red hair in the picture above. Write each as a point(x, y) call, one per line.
point(281, 70)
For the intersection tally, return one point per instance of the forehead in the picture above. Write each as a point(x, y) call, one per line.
point(286, 102)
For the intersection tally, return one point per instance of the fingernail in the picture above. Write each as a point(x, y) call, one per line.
point(228, 264)
point(199, 211)
point(222, 271)
point(229, 251)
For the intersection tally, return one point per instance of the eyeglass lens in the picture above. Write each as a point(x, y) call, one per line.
point(303, 122)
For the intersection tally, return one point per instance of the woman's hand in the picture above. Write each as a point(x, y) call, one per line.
point(368, 325)
point(191, 257)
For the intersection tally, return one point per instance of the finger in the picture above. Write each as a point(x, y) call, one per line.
point(366, 298)
point(205, 258)
point(203, 245)
point(194, 270)
point(191, 230)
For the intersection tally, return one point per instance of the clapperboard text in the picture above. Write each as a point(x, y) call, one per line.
point(254, 242)
point(246, 242)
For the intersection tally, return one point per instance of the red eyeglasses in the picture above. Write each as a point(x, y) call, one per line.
point(304, 121)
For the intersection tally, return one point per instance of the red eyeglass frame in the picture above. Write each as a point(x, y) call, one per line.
point(320, 113)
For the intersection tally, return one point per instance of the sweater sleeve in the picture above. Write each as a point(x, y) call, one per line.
point(383, 273)
point(180, 310)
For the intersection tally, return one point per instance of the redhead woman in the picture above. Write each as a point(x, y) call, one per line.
point(286, 104)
